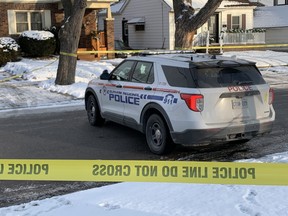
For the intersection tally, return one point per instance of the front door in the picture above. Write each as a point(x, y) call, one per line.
point(125, 32)
point(213, 27)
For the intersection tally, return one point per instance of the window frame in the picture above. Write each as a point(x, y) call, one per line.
point(29, 20)
point(12, 20)
point(149, 73)
point(233, 24)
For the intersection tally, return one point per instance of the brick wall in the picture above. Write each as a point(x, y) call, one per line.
point(4, 7)
point(88, 24)
point(109, 28)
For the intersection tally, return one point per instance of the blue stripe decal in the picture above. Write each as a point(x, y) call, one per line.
point(155, 97)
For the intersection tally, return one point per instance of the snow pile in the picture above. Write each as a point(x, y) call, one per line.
point(44, 71)
point(38, 35)
point(8, 43)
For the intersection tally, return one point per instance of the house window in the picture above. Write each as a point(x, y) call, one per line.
point(281, 2)
point(28, 21)
point(20, 21)
point(235, 22)
point(139, 27)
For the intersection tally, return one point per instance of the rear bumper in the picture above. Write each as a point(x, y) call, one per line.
point(190, 137)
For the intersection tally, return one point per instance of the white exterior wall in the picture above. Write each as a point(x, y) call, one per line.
point(238, 12)
point(159, 24)
point(234, 12)
point(277, 35)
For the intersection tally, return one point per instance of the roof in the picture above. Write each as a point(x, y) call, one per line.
point(271, 17)
point(264, 2)
point(191, 59)
point(197, 4)
point(119, 6)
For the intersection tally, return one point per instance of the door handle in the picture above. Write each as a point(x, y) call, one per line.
point(148, 88)
point(118, 86)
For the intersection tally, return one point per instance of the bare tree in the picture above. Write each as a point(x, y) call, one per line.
point(187, 22)
point(69, 36)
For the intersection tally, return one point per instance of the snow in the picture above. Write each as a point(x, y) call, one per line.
point(153, 199)
point(38, 35)
point(8, 43)
point(197, 4)
point(267, 17)
point(265, 2)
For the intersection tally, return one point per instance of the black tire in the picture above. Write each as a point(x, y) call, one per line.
point(93, 112)
point(158, 136)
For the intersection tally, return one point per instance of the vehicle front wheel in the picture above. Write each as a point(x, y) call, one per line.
point(93, 112)
point(157, 135)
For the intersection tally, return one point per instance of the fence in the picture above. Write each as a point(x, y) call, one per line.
point(232, 38)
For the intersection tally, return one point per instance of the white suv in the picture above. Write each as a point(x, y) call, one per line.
point(183, 98)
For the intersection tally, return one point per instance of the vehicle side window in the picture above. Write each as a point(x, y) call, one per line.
point(122, 71)
point(143, 73)
point(178, 77)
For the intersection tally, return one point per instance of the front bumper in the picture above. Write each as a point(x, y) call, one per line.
point(193, 137)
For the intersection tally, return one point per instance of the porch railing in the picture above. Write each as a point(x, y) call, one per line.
point(244, 38)
point(231, 38)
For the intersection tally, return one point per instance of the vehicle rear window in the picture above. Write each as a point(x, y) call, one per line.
point(223, 77)
point(213, 77)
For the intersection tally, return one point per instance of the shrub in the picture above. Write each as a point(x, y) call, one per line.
point(37, 43)
point(8, 50)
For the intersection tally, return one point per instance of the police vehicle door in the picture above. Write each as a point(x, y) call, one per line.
point(113, 99)
point(138, 92)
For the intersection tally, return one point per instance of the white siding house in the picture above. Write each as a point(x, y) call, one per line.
point(149, 24)
point(143, 24)
point(274, 20)
point(230, 16)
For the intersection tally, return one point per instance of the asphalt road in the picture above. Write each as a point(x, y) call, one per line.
point(67, 135)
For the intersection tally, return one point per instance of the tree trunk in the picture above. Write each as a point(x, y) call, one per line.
point(187, 23)
point(69, 36)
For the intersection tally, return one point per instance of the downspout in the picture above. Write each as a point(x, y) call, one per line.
point(163, 38)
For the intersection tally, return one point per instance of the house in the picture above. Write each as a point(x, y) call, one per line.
point(150, 23)
point(234, 18)
point(143, 24)
point(274, 20)
point(21, 15)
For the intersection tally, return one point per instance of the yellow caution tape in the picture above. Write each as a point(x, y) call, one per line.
point(244, 46)
point(193, 48)
point(68, 54)
point(145, 171)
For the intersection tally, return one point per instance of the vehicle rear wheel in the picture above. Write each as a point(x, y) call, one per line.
point(93, 112)
point(157, 135)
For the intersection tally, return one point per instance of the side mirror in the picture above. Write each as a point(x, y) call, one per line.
point(105, 75)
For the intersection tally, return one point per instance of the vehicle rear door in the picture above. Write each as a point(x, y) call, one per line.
point(233, 94)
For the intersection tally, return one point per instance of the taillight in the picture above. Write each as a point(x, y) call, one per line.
point(194, 102)
point(271, 96)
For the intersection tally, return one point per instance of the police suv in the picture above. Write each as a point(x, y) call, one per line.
point(183, 99)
